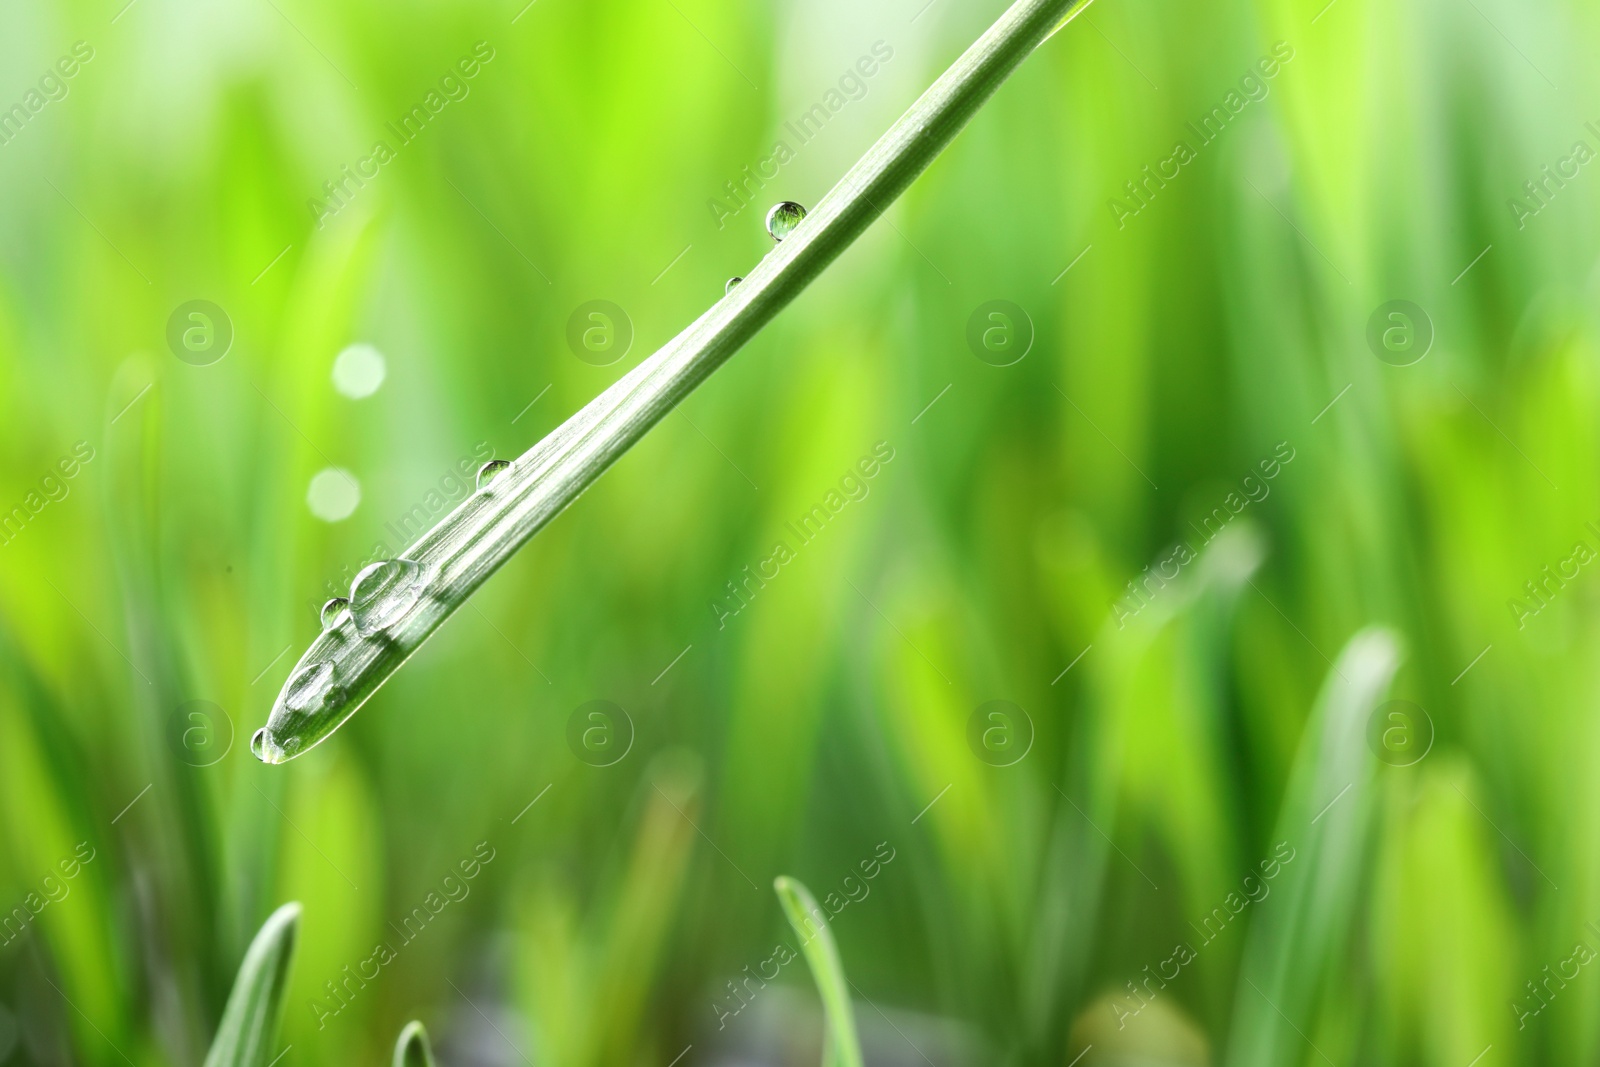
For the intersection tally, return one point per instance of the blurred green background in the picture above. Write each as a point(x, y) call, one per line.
point(1210, 840)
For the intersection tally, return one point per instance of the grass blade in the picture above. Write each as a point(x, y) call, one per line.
point(413, 1050)
point(347, 663)
point(255, 1007)
point(810, 922)
point(1293, 945)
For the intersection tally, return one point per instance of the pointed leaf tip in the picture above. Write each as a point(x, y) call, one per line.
point(249, 1026)
point(413, 1050)
point(810, 922)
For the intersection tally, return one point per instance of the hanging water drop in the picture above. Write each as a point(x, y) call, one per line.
point(783, 218)
point(490, 471)
point(332, 610)
point(735, 280)
point(262, 748)
point(383, 592)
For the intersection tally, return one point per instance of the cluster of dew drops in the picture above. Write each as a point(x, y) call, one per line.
point(781, 222)
point(384, 591)
point(380, 594)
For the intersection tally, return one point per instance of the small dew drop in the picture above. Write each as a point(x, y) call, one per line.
point(332, 610)
point(265, 749)
point(492, 470)
point(731, 283)
point(783, 218)
point(383, 592)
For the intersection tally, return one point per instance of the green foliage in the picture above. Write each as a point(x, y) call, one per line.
point(249, 1027)
point(1174, 746)
point(810, 924)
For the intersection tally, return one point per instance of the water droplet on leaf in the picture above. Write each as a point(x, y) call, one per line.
point(731, 283)
point(332, 610)
point(783, 218)
point(490, 471)
point(308, 686)
point(262, 748)
point(383, 592)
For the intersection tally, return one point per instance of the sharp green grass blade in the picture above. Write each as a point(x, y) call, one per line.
point(397, 604)
point(255, 1007)
point(810, 923)
point(1322, 838)
point(413, 1050)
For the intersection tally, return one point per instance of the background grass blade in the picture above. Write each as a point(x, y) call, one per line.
point(250, 1021)
point(1293, 949)
point(344, 667)
point(842, 1048)
point(413, 1050)
point(580, 951)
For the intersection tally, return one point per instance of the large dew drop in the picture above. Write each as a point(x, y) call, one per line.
point(332, 610)
point(383, 592)
point(735, 280)
point(490, 471)
point(307, 688)
point(783, 218)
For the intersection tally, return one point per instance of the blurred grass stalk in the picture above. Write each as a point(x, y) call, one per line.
point(840, 1047)
point(586, 975)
